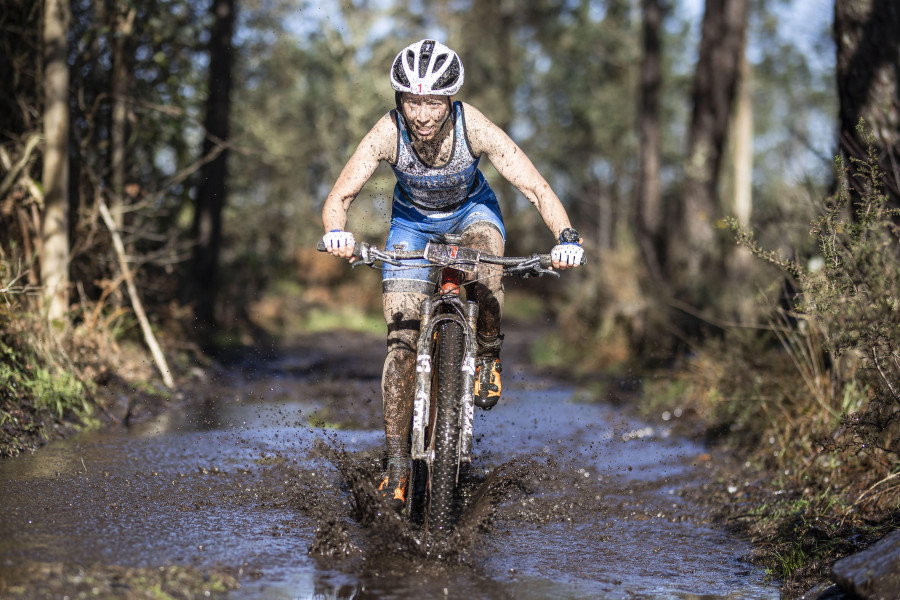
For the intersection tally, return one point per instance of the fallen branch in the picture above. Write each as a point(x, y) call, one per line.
point(135, 301)
point(14, 170)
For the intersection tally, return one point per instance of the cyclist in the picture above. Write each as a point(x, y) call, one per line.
point(434, 145)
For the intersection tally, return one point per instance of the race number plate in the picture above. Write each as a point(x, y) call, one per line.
point(460, 258)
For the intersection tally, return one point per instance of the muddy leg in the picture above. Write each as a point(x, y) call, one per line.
point(488, 290)
point(401, 311)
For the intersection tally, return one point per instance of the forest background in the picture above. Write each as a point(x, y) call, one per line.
point(732, 167)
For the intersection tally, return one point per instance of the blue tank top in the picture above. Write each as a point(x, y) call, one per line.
point(437, 188)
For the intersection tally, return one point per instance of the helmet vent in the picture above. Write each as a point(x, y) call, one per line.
point(450, 76)
point(425, 57)
point(400, 74)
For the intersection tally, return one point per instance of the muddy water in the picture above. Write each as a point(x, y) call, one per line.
point(268, 478)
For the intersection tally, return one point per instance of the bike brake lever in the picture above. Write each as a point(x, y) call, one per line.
point(540, 271)
point(363, 256)
point(529, 270)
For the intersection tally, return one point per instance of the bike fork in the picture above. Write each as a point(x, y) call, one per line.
point(467, 401)
point(467, 318)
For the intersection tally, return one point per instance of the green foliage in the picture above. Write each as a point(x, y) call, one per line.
point(48, 388)
point(61, 392)
point(39, 387)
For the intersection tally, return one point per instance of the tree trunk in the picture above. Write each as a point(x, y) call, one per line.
point(742, 146)
point(122, 25)
point(868, 82)
point(694, 248)
point(211, 195)
point(54, 258)
point(488, 48)
point(648, 214)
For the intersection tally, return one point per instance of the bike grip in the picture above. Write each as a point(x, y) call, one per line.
point(547, 261)
point(357, 248)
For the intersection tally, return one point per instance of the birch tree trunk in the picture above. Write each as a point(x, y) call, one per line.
point(54, 258)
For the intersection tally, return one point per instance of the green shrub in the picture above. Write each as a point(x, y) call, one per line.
point(852, 303)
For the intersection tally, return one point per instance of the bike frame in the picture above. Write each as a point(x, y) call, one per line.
point(446, 305)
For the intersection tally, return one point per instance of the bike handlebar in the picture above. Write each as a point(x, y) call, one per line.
point(525, 266)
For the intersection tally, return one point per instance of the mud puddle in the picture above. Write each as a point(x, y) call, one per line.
point(263, 480)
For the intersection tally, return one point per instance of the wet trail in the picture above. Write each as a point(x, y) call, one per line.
point(269, 478)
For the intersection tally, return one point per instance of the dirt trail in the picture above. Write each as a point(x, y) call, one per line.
point(266, 482)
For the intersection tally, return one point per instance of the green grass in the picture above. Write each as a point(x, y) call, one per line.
point(61, 393)
point(784, 563)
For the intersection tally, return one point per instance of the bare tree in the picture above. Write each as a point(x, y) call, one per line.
point(694, 247)
point(648, 214)
point(211, 194)
point(868, 82)
point(55, 226)
point(122, 24)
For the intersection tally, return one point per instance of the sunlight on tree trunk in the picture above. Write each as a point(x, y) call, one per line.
point(55, 226)
point(742, 146)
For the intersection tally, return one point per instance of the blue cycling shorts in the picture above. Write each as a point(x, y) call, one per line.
point(412, 228)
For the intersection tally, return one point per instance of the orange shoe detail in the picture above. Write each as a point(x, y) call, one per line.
point(487, 382)
point(393, 487)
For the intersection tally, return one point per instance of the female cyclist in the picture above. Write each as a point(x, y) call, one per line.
point(433, 145)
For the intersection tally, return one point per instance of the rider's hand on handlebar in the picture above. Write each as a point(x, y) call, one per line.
point(339, 243)
point(568, 253)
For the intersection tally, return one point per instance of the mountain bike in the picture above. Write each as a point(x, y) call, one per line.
point(444, 402)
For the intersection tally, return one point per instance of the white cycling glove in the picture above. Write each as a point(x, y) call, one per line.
point(568, 254)
point(569, 251)
point(338, 239)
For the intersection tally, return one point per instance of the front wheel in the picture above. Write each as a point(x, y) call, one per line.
point(444, 469)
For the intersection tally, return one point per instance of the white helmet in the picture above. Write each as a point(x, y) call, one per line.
point(427, 67)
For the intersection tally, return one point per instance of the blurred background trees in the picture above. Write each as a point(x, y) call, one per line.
point(214, 130)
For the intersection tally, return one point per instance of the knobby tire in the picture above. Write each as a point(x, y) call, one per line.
point(446, 441)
